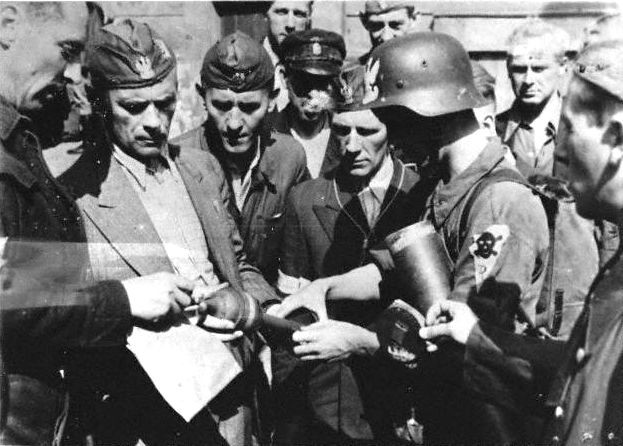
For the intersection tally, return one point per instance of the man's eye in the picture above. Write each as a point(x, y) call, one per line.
point(518, 69)
point(538, 69)
point(248, 107)
point(71, 51)
point(341, 130)
point(280, 11)
point(134, 108)
point(165, 103)
point(396, 25)
point(375, 26)
point(366, 131)
point(223, 105)
point(300, 14)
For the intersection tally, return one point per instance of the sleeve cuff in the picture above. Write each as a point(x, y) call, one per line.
point(290, 285)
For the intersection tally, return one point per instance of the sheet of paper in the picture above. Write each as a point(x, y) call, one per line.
point(188, 365)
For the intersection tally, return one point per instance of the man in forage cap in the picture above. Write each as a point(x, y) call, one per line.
point(150, 206)
point(259, 165)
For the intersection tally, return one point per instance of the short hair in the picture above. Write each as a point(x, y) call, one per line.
point(557, 39)
point(485, 83)
point(45, 11)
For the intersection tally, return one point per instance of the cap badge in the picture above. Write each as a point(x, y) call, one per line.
point(166, 54)
point(238, 78)
point(316, 49)
point(144, 68)
point(346, 91)
point(371, 89)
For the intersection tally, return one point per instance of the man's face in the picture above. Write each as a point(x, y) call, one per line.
point(287, 17)
point(48, 55)
point(310, 95)
point(534, 72)
point(388, 25)
point(237, 116)
point(585, 154)
point(362, 141)
point(141, 117)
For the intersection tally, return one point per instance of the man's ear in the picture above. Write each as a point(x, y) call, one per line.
point(613, 136)
point(9, 18)
point(489, 125)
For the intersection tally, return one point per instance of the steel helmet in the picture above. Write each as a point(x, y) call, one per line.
point(427, 72)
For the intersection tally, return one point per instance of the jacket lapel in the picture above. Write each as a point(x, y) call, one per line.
point(328, 209)
point(209, 208)
point(119, 215)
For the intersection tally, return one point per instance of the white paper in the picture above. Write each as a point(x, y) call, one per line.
point(188, 365)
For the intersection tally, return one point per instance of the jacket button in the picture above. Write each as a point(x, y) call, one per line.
point(559, 412)
point(586, 436)
point(610, 436)
point(555, 440)
point(105, 397)
point(580, 355)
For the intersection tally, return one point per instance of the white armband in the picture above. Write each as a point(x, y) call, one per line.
point(290, 285)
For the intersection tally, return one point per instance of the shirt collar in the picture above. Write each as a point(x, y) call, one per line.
point(548, 118)
point(269, 49)
point(139, 170)
point(379, 183)
point(447, 196)
point(9, 118)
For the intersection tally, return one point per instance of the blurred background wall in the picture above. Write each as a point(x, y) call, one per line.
point(482, 26)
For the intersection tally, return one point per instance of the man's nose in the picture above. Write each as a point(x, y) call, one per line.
point(73, 72)
point(353, 145)
point(234, 120)
point(386, 33)
point(290, 23)
point(530, 76)
point(151, 119)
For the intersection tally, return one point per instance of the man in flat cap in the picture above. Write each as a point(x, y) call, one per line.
point(259, 165)
point(284, 17)
point(148, 206)
point(385, 20)
point(313, 60)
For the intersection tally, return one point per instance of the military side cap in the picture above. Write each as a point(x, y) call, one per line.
point(128, 54)
point(381, 7)
point(601, 64)
point(237, 63)
point(314, 51)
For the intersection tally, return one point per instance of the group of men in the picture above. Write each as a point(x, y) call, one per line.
point(287, 193)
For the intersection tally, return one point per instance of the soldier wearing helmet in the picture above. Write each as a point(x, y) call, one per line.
point(427, 101)
point(580, 378)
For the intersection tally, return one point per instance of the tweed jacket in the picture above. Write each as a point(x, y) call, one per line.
point(123, 243)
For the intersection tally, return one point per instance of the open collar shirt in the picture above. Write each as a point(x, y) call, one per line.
point(166, 200)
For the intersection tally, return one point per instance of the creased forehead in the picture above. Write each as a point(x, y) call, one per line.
point(537, 49)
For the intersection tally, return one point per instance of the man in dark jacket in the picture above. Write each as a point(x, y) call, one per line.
point(583, 375)
point(44, 308)
point(259, 165)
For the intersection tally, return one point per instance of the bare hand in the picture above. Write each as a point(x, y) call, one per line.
point(203, 292)
point(157, 295)
point(449, 318)
point(333, 340)
point(312, 297)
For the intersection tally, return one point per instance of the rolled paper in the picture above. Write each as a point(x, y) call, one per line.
point(421, 258)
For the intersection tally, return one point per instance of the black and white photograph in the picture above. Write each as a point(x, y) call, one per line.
point(311, 223)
